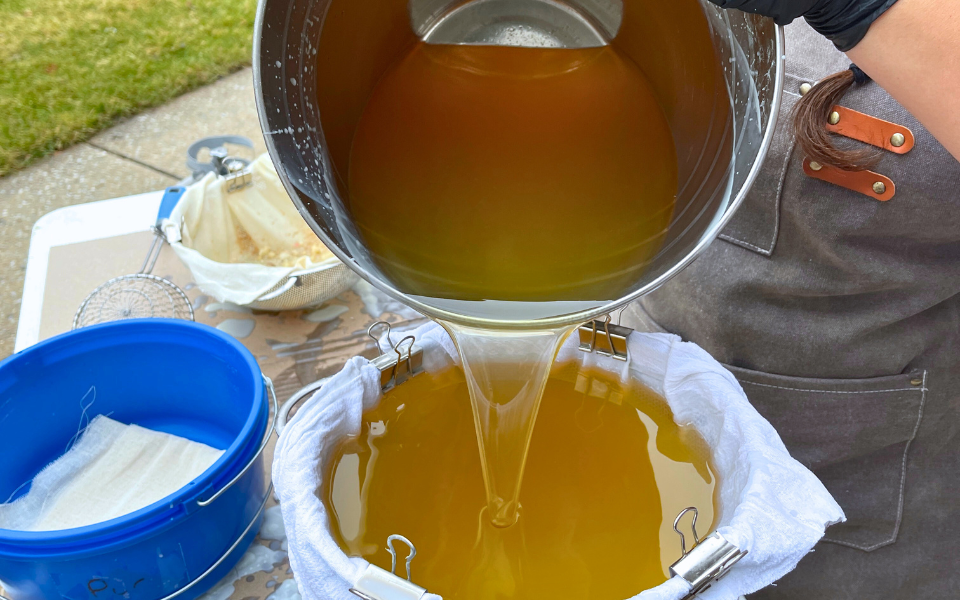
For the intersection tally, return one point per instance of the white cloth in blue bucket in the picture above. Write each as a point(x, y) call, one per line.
point(769, 504)
point(112, 470)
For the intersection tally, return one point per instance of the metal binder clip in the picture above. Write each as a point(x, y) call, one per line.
point(404, 362)
point(378, 584)
point(605, 338)
point(238, 179)
point(707, 561)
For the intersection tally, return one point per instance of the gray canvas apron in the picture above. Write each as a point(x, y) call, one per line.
point(840, 316)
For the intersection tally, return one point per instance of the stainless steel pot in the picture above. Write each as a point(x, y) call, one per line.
point(717, 74)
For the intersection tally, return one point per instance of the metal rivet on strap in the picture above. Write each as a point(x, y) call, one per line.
point(804, 88)
point(815, 166)
point(834, 118)
point(879, 187)
point(897, 140)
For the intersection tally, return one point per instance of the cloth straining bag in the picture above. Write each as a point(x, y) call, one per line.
point(210, 225)
point(112, 470)
point(769, 504)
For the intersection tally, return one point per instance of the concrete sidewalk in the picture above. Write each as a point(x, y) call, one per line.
point(144, 153)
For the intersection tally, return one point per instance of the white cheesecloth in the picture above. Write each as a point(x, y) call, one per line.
point(112, 470)
point(203, 231)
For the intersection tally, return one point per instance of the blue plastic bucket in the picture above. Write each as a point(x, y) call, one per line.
point(173, 376)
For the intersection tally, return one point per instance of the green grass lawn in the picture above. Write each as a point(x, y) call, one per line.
point(68, 68)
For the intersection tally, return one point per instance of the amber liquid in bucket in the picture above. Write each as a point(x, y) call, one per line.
point(483, 173)
point(608, 472)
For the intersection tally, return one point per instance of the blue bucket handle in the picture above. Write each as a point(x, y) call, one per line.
point(223, 557)
point(229, 550)
point(268, 383)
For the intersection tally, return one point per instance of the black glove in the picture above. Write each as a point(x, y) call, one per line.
point(844, 22)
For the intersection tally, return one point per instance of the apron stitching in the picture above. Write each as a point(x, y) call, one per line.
point(780, 387)
point(777, 204)
point(776, 207)
point(903, 480)
point(734, 240)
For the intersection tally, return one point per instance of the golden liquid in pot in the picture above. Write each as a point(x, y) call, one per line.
point(608, 471)
point(508, 173)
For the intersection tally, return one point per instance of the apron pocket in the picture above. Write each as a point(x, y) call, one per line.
point(854, 434)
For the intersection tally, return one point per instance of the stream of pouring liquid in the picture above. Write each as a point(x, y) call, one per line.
point(501, 177)
point(506, 373)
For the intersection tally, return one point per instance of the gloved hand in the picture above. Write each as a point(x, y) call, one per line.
point(844, 22)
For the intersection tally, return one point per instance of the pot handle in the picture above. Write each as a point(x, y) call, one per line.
point(283, 414)
point(268, 383)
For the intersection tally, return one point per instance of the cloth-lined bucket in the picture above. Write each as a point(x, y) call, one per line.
point(172, 376)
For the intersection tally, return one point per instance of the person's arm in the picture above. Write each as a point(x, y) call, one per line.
point(913, 52)
point(910, 47)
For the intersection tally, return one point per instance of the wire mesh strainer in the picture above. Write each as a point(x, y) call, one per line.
point(140, 295)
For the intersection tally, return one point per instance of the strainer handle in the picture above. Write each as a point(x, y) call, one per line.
point(266, 438)
point(284, 413)
point(170, 198)
point(289, 283)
